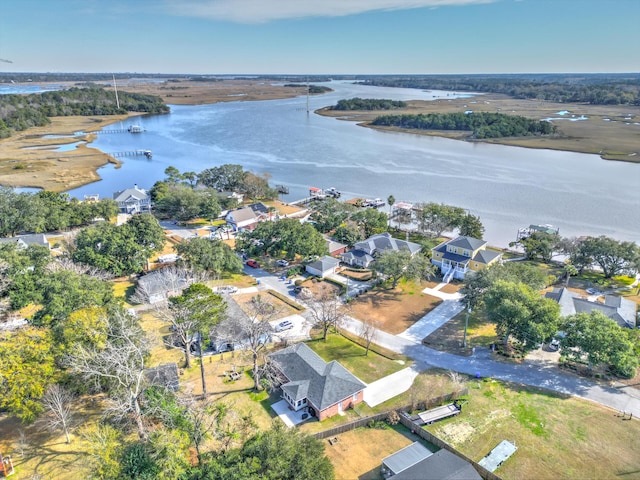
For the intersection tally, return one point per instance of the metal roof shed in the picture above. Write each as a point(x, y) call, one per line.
point(405, 458)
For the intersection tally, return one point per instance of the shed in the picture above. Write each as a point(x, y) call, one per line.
point(405, 458)
point(165, 375)
point(323, 266)
point(442, 465)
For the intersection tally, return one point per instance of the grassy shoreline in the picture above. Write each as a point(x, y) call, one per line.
point(609, 131)
point(27, 160)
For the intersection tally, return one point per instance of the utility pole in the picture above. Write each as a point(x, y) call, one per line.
point(466, 325)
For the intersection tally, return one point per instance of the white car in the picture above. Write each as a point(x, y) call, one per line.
point(282, 263)
point(226, 289)
point(285, 325)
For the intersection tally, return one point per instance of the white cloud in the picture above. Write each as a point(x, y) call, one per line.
point(262, 11)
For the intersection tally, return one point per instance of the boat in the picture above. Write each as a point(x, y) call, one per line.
point(135, 129)
point(332, 192)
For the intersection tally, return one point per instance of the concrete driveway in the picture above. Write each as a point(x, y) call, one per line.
point(432, 320)
point(390, 386)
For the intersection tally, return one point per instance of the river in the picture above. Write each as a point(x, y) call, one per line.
point(508, 187)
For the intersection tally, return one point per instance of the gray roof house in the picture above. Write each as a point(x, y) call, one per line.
point(161, 284)
point(462, 255)
point(415, 462)
point(133, 200)
point(619, 309)
point(23, 241)
point(325, 389)
point(323, 266)
point(165, 375)
point(364, 252)
point(244, 218)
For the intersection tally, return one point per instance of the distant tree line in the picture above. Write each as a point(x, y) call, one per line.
point(482, 124)
point(368, 104)
point(589, 89)
point(313, 89)
point(20, 112)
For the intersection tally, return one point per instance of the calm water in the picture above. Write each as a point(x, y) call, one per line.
point(507, 187)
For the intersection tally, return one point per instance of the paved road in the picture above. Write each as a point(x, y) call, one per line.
point(536, 374)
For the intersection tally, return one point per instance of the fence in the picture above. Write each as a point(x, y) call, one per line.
point(430, 437)
point(415, 428)
point(361, 422)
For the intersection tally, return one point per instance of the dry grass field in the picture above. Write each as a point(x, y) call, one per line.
point(395, 310)
point(359, 453)
point(557, 436)
point(611, 131)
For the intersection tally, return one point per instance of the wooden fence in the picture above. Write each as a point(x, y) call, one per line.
point(361, 422)
point(430, 437)
point(414, 427)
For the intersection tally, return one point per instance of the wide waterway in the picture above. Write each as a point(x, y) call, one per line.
point(508, 187)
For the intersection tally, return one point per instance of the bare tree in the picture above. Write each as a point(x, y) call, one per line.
point(119, 366)
point(325, 309)
point(66, 264)
point(368, 332)
point(57, 401)
point(251, 329)
point(457, 380)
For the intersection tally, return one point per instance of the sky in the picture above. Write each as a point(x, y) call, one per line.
point(320, 36)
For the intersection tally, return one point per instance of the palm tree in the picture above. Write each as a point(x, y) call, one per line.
point(569, 269)
point(390, 200)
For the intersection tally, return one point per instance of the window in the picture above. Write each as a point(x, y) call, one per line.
point(355, 397)
point(466, 253)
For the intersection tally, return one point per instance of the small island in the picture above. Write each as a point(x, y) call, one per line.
point(482, 125)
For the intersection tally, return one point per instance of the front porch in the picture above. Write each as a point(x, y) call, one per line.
point(457, 269)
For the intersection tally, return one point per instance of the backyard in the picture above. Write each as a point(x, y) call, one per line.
point(394, 310)
point(358, 453)
point(557, 436)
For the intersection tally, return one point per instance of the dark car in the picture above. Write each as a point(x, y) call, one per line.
point(253, 264)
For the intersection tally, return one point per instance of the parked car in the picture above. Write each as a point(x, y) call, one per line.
point(555, 344)
point(594, 291)
point(282, 263)
point(226, 289)
point(284, 325)
point(253, 264)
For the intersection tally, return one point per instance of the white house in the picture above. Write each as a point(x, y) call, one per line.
point(133, 200)
point(323, 267)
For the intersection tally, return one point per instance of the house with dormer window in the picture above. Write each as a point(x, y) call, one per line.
point(365, 252)
point(457, 257)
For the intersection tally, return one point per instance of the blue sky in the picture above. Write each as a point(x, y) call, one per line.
point(320, 36)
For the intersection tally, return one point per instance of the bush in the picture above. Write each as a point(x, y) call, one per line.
point(393, 418)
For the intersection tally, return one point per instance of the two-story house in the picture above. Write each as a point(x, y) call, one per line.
point(133, 200)
point(461, 255)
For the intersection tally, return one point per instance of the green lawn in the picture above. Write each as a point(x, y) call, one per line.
point(556, 436)
point(352, 357)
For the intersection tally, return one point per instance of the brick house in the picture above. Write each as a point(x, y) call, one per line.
point(308, 382)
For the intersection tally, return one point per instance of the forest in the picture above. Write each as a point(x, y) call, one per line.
point(594, 90)
point(19, 112)
point(481, 124)
point(368, 104)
